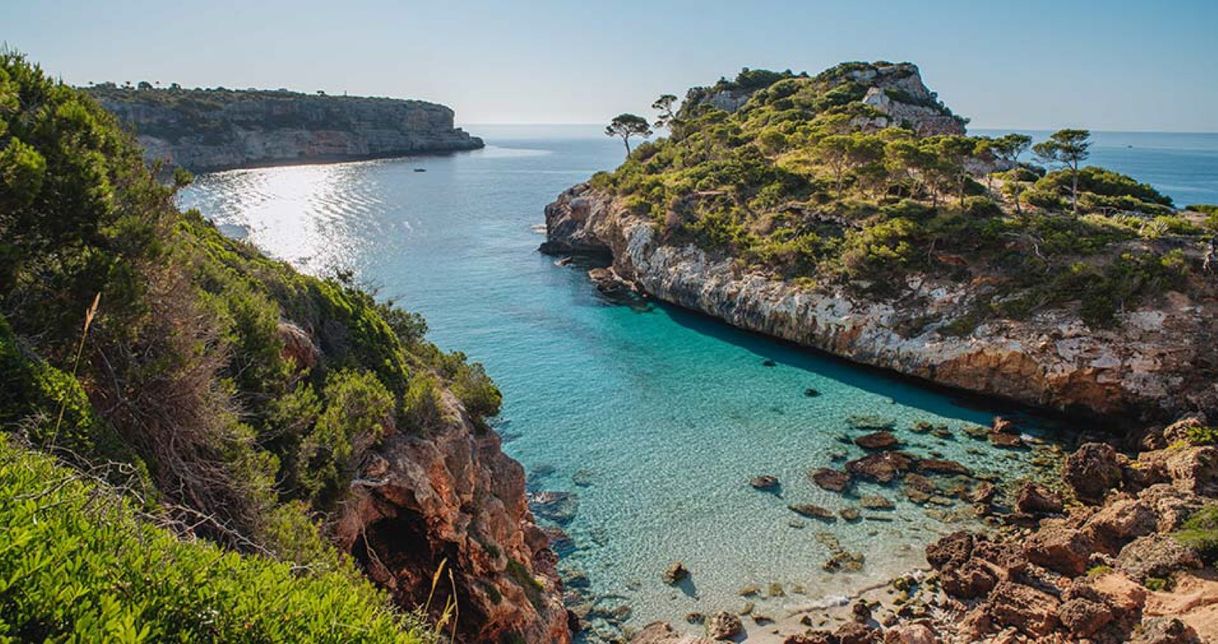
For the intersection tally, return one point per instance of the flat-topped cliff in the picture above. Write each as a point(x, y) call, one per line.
point(215, 129)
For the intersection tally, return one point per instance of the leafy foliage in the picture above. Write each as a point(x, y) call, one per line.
point(808, 183)
point(1200, 532)
point(80, 564)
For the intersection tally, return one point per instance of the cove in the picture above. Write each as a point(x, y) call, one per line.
point(652, 419)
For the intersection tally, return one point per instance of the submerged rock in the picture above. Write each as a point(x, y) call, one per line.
point(883, 439)
point(870, 422)
point(811, 392)
point(675, 573)
point(876, 502)
point(764, 482)
point(831, 479)
point(883, 467)
point(813, 511)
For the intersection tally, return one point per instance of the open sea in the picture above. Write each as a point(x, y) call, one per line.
point(652, 418)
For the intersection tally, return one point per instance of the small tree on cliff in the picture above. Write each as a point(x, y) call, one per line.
point(1069, 148)
point(663, 105)
point(1009, 147)
point(626, 126)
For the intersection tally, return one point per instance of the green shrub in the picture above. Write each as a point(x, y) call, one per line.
point(1200, 532)
point(80, 565)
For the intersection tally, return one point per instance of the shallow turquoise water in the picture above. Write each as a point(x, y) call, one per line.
point(665, 414)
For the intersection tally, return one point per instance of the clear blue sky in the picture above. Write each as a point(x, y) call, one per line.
point(1105, 65)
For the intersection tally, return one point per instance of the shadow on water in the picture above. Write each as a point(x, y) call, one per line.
point(902, 389)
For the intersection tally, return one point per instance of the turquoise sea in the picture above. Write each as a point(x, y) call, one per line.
point(653, 418)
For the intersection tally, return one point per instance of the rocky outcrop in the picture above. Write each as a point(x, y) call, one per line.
point(453, 497)
point(1143, 367)
point(217, 129)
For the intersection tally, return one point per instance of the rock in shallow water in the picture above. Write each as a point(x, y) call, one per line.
point(883, 439)
point(813, 511)
point(831, 479)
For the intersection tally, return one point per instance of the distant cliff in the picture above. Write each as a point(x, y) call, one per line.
point(216, 129)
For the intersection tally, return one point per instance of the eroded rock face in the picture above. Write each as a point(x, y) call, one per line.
point(1091, 471)
point(454, 495)
point(250, 128)
point(1138, 369)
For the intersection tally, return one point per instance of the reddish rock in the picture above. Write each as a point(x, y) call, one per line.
point(971, 580)
point(830, 479)
point(1155, 555)
point(1091, 471)
point(1165, 630)
point(1005, 558)
point(811, 637)
point(1002, 439)
point(952, 550)
point(983, 493)
point(723, 625)
point(1084, 617)
point(1120, 522)
point(1059, 547)
point(1194, 470)
point(882, 467)
point(856, 633)
point(765, 483)
point(883, 439)
point(942, 466)
point(813, 511)
point(1181, 430)
point(913, 633)
point(1038, 499)
point(1032, 611)
point(1003, 426)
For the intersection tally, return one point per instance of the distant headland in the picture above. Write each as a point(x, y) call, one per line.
point(217, 129)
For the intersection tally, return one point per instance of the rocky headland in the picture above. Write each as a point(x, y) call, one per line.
point(218, 129)
point(771, 231)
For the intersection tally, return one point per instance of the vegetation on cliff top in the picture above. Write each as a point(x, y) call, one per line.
point(810, 183)
point(230, 392)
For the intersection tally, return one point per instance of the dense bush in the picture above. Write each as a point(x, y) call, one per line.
point(1200, 532)
point(239, 392)
point(79, 564)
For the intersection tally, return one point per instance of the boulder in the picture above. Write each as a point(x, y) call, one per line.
point(813, 511)
point(942, 466)
point(883, 439)
point(912, 633)
point(1060, 548)
point(1165, 630)
point(559, 507)
point(1194, 470)
point(952, 550)
point(1091, 471)
point(1031, 611)
point(723, 626)
point(983, 493)
point(1003, 439)
point(876, 502)
point(1038, 499)
point(764, 482)
point(1120, 522)
point(881, 467)
point(1155, 555)
point(856, 633)
point(830, 479)
point(1005, 558)
point(1181, 430)
point(1084, 617)
point(675, 573)
point(968, 581)
point(850, 514)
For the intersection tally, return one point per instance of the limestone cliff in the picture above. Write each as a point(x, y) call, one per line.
point(1152, 363)
point(454, 496)
point(218, 129)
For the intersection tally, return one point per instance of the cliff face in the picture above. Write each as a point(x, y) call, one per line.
point(1150, 364)
point(205, 130)
point(453, 496)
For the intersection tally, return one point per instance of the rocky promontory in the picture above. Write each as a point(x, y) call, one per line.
point(217, 129)
point(848, 212)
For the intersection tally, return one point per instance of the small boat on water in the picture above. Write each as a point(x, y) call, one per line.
point(562, 261)
point(420, 169)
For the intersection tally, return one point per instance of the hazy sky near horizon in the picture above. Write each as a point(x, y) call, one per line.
point(1033, 64)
